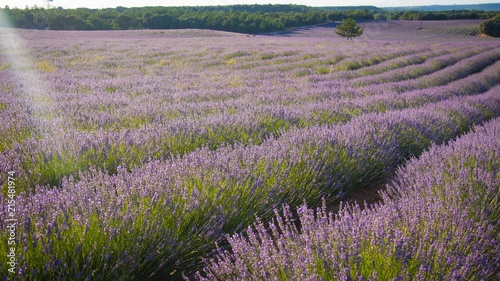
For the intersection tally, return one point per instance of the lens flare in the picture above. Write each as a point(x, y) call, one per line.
point(32, 88)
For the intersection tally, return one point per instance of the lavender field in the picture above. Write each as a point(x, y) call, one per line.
point(150, 154)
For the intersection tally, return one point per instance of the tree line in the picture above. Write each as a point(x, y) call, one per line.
point(237, 18)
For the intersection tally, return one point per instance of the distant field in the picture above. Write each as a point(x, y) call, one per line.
point(449, 30)
point(130, 154)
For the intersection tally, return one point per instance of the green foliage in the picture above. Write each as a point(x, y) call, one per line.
point(491, 27)
point(125, 22)
point(349, 29)
point(323, 70)
point(98, 23)
point(236, 18)
point(62, 22)
point(236, 55)
point(159, 22)
point(267, 56)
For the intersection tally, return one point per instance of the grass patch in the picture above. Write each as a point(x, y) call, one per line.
point(4, 66)
point(323, 70)
point(111, 89)
point(46, 66)
point(236, 55)
point(267, 56)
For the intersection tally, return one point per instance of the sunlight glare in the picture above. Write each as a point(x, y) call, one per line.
point(33, 89)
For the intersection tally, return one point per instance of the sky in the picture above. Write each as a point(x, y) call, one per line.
point(68, 4)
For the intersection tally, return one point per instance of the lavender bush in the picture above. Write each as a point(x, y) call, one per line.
point(438, 220)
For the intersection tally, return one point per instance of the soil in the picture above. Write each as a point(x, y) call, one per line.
point(369, 195)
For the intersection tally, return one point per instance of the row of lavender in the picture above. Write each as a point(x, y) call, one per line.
point(142, 120)
point(439, 221)
point(164, 216)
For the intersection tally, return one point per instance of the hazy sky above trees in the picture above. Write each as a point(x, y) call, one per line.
point(135, 3)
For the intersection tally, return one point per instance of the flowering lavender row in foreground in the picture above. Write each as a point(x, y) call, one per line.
point(438, 221)
point(163, 217)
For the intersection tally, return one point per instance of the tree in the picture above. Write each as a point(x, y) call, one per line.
point(124, 22)
point(491, 27)
point(349, 29)
point(98, 23)
point(71, 22)
point(159, 22)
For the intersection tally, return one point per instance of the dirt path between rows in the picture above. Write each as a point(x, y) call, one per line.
point(368, 195)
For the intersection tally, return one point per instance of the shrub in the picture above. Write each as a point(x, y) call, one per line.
point(491, 27)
